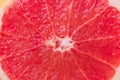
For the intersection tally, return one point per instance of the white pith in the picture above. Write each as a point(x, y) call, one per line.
point(60, 44)
point(117, 74)
point(116, 4)
point(1, 14)
point(3, 76)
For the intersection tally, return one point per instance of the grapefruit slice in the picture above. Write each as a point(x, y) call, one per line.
point(60, 40)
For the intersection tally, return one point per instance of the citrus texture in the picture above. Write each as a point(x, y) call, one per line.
point(60, 40)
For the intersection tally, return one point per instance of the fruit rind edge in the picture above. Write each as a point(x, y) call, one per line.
point(3, 8)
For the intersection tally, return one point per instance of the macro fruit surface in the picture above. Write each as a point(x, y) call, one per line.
point(60, 40)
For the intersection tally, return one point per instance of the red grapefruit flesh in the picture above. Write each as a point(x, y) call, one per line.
point(60, 40)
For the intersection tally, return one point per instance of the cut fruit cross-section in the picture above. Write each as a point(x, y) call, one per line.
point(60, 40)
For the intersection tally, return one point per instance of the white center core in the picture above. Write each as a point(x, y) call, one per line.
point(60, 44)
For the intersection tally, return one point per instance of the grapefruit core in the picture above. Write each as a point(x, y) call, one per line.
point(60, 40)
point(60, 44)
